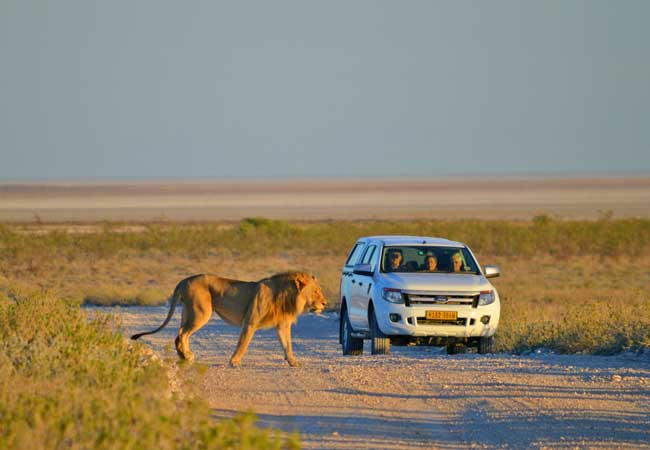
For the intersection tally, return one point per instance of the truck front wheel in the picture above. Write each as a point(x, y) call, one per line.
point(380, 343)
point(349, 344)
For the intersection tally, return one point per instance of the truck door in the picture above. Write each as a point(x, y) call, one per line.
point(360, 291)
point(346, 273)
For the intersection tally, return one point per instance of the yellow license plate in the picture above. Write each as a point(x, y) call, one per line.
point(442, 315)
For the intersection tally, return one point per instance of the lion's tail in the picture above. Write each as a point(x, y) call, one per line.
point(176, 296)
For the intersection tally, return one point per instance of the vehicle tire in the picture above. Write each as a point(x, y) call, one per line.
point(349, 344)
point(455, 349)
point(380, 343)
point(486, 345)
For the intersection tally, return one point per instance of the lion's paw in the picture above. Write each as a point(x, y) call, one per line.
point(294, 363)
point(234, 363)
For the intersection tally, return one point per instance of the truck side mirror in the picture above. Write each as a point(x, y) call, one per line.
point(491, 271)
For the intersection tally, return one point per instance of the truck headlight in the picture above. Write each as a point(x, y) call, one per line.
point(392, 295)
point(486, 298)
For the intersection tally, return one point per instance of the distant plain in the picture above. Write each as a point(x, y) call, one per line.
point(322, 199)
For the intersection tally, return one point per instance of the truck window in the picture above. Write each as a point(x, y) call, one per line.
point(354, 254)
point(368, 256)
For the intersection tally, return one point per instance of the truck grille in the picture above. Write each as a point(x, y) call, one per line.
point(442, 298)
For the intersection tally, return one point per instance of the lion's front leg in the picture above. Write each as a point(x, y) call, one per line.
point(284, 334)
point(250, 323)
point(247, 332)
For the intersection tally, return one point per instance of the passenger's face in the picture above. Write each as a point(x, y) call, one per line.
point(395, 260)
point(457, 263)
point(431, 263)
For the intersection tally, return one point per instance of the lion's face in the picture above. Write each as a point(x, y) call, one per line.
point(313, 293)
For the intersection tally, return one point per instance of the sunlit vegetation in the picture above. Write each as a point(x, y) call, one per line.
point(67, 382)
point(268, 237)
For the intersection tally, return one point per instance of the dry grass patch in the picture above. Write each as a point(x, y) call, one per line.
point(589, 304)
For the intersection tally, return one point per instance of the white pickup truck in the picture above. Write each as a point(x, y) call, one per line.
point(406, 290)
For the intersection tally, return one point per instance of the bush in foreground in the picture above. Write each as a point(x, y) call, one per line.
point(67, 382)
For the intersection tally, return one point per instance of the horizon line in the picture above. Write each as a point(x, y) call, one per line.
point(271, 178)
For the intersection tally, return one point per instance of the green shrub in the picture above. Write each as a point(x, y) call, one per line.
point(67, 382)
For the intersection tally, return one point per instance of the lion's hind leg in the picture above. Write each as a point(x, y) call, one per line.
point(193, 318)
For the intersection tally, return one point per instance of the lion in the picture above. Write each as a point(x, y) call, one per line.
point(276, 301)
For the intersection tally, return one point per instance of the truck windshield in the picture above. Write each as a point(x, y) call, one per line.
point(427, 258)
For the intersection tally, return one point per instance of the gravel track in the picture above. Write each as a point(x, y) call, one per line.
point(417, 397)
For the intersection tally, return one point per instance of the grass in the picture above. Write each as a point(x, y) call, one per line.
point(587, 304)
point(67, 382)
point(570, 286)
point(265, 237)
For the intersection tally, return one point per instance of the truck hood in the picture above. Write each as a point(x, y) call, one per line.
point(434, 282)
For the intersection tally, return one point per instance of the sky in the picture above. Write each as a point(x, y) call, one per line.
point(180, 89)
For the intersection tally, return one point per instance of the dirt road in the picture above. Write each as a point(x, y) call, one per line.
point(417, 397)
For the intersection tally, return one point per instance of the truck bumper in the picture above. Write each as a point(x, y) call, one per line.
point(401, 320)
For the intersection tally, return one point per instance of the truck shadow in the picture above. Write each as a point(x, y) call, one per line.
point(358, 431)
point(602, 429)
